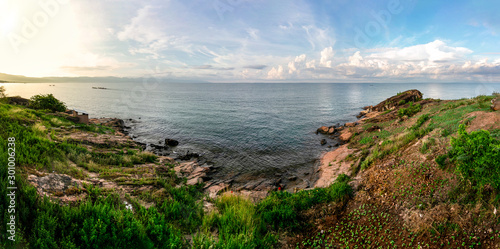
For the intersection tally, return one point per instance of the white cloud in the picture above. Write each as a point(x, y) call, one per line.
point(276, 73)
point(326, 56)
point(436, 51)
point(296, 64)
point(147, 29)
point(434, 60)
point(311, 64)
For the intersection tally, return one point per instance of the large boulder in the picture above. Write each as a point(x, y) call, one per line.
point(397, 100)
point(346, 136)
point(495, 104)
point(322, 130)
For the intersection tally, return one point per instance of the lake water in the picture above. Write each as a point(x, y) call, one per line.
point(248, 127)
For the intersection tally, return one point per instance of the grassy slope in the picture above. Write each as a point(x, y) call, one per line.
point(405, 198)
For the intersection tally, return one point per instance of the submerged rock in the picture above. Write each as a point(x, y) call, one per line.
point(171, 142)
point(323, 141)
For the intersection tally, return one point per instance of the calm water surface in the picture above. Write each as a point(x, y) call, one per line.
point(249, 127)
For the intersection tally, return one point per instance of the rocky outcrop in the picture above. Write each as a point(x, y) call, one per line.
point(115, 123)
point(397, 100)
point(332, 164)
point(59, 186)
point(193, 172)
point(100, 140)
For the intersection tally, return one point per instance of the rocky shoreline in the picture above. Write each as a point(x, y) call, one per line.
point(385, 110)
point(198, 167)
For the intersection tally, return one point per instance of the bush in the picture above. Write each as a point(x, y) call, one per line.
point(420, 121)
point(441, 161)
point(2, 92)
point(410, 111)
point(281, 209)
point(47, 102)
point(477, 155)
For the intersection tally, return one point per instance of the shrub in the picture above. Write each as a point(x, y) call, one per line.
point(366, 140)
point(410, 111)
point(441, 161)
point(477, 155)
point(47, 102)
point(420, 121)
point(2, 92)
point(281, 209)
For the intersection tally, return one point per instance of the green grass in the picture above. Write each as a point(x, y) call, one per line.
point(282, 209)
point(410, 111)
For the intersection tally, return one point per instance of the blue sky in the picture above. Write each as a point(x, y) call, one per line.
point(254, 40)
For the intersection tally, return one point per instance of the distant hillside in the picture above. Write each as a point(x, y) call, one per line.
point(4, 78)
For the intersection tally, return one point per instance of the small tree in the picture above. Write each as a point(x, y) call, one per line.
point(47, 102)
point(2, 92)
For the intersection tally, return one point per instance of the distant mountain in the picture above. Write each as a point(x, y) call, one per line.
point(4, 78)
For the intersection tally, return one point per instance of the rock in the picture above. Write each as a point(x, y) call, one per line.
point(346, 136)
point(331, 130)
point(171, 142)
point(373, 128)
point(158, 147)
point(322, 130)
point(495, 104)
point(352, 124)
point(362, 113)
point(323, 141)
point(292, 178)
point(188, 156)
point(397, 100)
point(194, 181)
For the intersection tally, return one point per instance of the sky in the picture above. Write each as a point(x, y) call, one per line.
point(253, 40)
